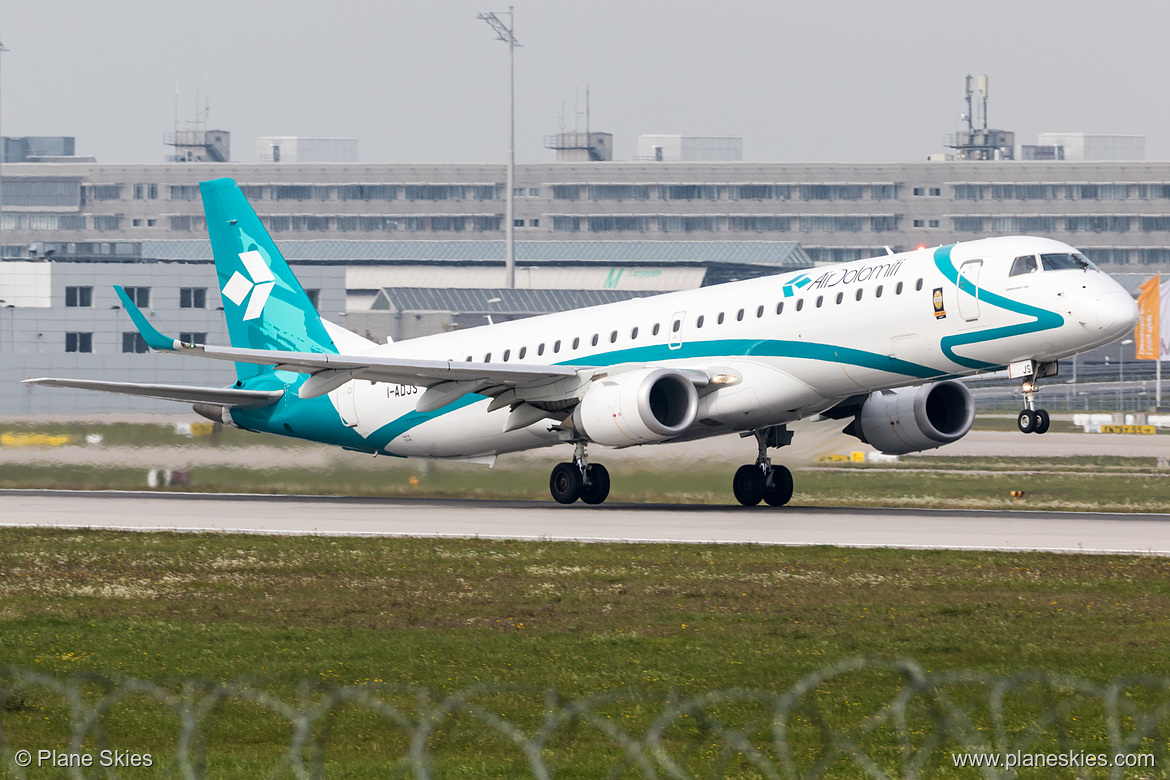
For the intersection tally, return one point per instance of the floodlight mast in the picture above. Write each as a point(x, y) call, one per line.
point(504, 33)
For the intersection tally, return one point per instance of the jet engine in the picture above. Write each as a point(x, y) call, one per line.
point(910, 419)
point(637, 407)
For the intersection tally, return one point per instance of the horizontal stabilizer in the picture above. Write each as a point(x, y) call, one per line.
point(225, 396)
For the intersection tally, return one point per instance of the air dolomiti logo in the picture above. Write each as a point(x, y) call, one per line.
point(256, 289)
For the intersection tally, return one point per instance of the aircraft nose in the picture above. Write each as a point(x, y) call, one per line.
point(1117, 312)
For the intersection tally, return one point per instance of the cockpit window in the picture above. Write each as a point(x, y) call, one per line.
point(1061, 261)
point(1023, 265)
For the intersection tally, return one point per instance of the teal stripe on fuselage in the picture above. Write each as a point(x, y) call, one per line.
point(730, 348)
point(1042, 318)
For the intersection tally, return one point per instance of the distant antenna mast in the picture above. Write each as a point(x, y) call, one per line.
point(983, 92)
point(970, 108)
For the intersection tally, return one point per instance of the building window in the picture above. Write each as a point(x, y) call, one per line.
point(106, 192)
point(760, 224)
point(367, 192)
point(517, 223)
point(534, 223)
point(192, 297)
point(184, 192)
point(534, 192)
point(968, 192)
point(935, 192)
point(139, 191)
point(566, 192)
point(919, 223)
point(314, 296)
point(78, 342)
point(933, 223)
point(133, 342)
point(139, 296)
point(571, 224)
point(619, 192)
point(883, 224)
point(192, 337)
point(830, 191)
point(79, 298)
point(918, 191)
point(969, 224)
point(136, 222)
point(152, 191)
point(106, 222)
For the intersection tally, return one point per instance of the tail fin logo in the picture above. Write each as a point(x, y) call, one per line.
point(258, 286)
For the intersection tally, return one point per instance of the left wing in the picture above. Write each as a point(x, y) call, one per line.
point(445, 380)
point(224, 396)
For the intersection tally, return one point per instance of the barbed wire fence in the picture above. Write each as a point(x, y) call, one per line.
point(811, 730)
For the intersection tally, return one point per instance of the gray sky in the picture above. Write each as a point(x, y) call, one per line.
point(425, 81)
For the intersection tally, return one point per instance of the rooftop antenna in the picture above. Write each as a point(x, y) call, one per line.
point(970, 116)
point(983, 92)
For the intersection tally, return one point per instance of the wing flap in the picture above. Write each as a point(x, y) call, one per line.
point(225, 396)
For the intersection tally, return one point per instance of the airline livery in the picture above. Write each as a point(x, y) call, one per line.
point(876, 342)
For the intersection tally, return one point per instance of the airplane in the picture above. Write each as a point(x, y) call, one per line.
point(879, 342)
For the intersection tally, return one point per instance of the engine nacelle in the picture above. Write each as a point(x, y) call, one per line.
point(637, 407)
point(910, 419)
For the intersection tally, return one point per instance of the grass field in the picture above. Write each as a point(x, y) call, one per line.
point(402, 614)
point(1079, 484)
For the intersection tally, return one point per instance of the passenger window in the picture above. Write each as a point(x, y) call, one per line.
point(759, 312)
point(720, 318)
point(677, 324)
point(468, 358)
point(654, 332)
point(799, 304)
point(613, 337)
point(507, 354)
point(780, 307)
point(859, 292)
point(576, 342)
point(739, 316)
point(540, 350)
point(557, 346)
point(699, 322)
point(1023, 265)
point(878, 292)
point(595, 338)
point(820, 300)
point(523, 352)
point(840, 297)
point(898, 289)
point(487, 358)
point(633, 334)
point(918, 286)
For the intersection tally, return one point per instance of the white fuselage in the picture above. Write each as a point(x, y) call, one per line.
point(798, 342)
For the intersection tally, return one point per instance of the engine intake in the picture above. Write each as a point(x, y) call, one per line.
point(910, 419)
point(638, 407)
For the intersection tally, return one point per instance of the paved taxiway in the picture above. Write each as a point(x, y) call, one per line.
point(907, 528)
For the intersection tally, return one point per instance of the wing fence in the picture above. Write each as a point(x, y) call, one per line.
point(854, 718)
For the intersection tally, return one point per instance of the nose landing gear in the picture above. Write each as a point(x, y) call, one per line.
point(1030, 419)
point(762, 481)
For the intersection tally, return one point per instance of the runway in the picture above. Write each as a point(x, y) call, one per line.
point(532, 520)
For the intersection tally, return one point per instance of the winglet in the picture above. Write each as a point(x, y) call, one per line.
point(154, 339)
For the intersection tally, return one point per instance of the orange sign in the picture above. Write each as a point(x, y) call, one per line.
point(1148, 331)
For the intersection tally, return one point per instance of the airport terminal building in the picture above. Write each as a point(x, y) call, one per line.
point(374, 239)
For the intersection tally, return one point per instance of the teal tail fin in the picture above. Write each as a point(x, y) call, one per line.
point(265, 305)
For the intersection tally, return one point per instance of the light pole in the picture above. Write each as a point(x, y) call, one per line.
point(1121, 373)
point(505, 34)
point(3, 155)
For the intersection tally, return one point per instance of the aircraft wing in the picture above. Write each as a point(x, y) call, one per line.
point(329, 371)
point(225, 396)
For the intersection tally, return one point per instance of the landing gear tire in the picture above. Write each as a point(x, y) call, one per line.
point(566, 483)
point(779, 487)
point(1026, 420)
point(749, 485)
point(596, 487)
point(1042, 421)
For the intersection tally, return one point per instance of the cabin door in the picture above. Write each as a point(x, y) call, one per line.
point(969, 289)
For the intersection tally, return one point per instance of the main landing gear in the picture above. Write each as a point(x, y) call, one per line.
point(761, 481)
point(1030, 419)
point(579, 479)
